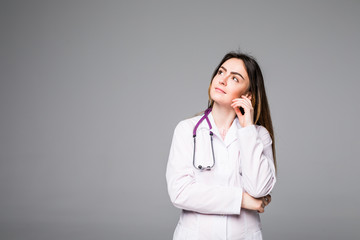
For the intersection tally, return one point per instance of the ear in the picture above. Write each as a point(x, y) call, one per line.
point(249, 95)
point(252, 99)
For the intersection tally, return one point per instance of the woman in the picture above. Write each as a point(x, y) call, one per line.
point(221, 166)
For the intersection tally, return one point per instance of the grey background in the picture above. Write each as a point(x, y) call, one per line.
point(91, 92)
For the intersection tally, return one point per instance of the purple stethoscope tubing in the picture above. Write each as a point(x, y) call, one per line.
point(206, 114)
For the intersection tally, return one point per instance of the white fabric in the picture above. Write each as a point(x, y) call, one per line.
point(211, 200)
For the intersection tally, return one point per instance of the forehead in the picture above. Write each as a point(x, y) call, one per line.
point(235, 65)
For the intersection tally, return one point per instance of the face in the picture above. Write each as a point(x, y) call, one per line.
point(230, 82)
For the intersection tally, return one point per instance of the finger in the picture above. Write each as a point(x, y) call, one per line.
point(249, 96)
point(261, 209)
point(269, 198)
point(242, 103)
point(236, 105)
point(265, 201)
point(247, 99)
point(237, 110)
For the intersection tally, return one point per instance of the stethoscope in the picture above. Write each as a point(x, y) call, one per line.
point(206, 114)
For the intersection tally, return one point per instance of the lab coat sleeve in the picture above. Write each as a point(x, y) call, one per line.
point(184, 190)
point(258, 169)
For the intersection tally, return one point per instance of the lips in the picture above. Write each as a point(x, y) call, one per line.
point(220, 90)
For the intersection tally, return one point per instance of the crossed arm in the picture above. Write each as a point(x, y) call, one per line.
point(186, 193)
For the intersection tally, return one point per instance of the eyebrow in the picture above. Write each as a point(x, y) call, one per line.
point(236, 73)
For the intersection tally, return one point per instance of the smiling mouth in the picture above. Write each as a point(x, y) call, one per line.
point(219, 90)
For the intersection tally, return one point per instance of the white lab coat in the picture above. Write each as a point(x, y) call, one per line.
point(211, 200)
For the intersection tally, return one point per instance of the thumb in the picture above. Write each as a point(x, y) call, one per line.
point(238, 112)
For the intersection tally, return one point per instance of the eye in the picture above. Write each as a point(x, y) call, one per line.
point(220, 72)
point(235, 79)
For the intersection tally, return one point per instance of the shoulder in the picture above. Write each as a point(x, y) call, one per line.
point(184, 129)
point(187, 124)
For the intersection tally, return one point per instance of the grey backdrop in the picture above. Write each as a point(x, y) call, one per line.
point(91, 92)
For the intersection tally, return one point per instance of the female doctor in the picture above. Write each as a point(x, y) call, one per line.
point(221, 166)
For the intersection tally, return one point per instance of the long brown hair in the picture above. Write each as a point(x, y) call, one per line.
point(257, 89)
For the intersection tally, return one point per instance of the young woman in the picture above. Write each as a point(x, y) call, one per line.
point(221, 166)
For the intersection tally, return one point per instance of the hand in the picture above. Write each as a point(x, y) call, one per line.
point(257, 204)
point(245, 103)
point(266, 200)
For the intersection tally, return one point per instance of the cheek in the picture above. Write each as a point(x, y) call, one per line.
point(211, 93)
point(236, 93)
point(211, 87)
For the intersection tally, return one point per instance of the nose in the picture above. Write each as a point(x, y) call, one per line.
point(223, 80)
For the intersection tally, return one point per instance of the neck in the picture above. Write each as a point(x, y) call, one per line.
point(223, 116)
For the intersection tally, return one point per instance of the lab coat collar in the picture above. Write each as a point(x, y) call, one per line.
point(231, 135)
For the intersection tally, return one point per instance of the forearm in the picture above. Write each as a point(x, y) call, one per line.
point(186, 193)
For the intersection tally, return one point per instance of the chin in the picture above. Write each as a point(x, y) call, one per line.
point(222, 103)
